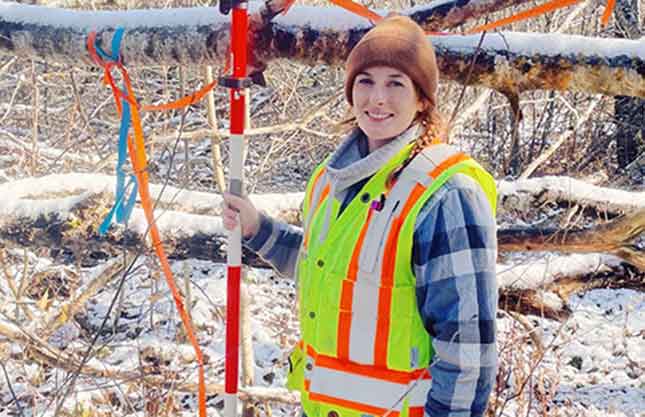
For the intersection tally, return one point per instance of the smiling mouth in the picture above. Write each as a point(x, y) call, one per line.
point(378, 117)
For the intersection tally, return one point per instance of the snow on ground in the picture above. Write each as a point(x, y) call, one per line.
point(595, 359)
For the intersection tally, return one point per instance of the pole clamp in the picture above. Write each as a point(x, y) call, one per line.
point(235, 82)
point(225, 6)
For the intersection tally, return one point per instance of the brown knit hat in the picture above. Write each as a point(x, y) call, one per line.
point(397, 42)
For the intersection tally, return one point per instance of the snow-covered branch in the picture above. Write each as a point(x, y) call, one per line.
point(507, 62)
point(192, 227)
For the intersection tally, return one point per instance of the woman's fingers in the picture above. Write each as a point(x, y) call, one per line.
point(229, 224)
point(234, 208)
point(235, 202)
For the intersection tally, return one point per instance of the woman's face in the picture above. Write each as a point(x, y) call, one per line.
point(385, 103)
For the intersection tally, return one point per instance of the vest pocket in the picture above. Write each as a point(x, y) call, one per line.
point(376, 236)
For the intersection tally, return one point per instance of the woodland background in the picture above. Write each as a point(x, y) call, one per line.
point(88, 327)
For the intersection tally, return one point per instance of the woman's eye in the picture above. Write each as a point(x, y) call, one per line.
point(366, 81)
point(396, 84)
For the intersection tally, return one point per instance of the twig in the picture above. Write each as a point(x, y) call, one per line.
point(468, 77)
point(8, 65)
point(532, 331)
point(10, 106)
point(13, 394)
point(283, 127)
point(554, 147)
point(14, 289)
point(216, 139)
point(34, 138)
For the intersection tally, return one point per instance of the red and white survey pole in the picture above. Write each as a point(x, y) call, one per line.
point(238, 84)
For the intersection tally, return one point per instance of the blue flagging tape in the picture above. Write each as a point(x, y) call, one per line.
point(123, 204)
point(116, 47)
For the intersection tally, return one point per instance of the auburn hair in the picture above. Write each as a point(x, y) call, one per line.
point(433, 130)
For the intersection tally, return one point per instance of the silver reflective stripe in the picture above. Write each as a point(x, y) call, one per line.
point(371, 254)
point(418, 394)
point(426, 162)
point(414, 357)
point(357, 388)
point(375, 238)
point(362, 334)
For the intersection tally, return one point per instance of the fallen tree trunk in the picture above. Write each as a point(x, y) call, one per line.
point(69, 230)
point(550, 300)
point(617, 238)
point(507, 62)
point(66, 216)
point(514, 197)
point(526, 195)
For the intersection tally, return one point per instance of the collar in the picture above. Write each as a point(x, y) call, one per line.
point(346, 167)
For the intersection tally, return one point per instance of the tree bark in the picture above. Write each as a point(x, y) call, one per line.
point(629, 111)
point(507, 62)
point(617, 238)
point(550, 299)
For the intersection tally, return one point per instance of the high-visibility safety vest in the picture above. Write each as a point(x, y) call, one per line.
point(364, 349)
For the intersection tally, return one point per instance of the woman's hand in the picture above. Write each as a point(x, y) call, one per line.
point(234, 207)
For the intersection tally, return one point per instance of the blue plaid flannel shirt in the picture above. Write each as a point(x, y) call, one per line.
point(454, 257)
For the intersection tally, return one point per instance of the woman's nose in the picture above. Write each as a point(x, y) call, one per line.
point(378, 95)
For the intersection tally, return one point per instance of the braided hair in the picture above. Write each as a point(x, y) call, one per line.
point(433, 131)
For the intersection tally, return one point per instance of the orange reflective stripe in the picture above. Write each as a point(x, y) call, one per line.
point(416, 411)
point(184, 101)
point(313, 187)
point(311, 352)
point(389, 262)
point(347, 294)
point(399, 377)
point(527, 14)
point(447, 163)
point(345, 318)
point(358, 9)
point(324, 195)
point(609, 8)
point(387, 279)
point(377, 411)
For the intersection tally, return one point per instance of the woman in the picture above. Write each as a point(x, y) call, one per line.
point(396, 259)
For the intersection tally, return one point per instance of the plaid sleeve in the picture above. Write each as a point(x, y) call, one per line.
point(277, 243)
point(455, 248)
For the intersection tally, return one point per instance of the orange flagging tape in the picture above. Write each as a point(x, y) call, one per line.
point(358, 9)
point(137, 152)
point(609, 8)
point(540, 10)
point(527, 14)
point(287, 6)
point(191, 98)
point(184, 101)
point(139, 163)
